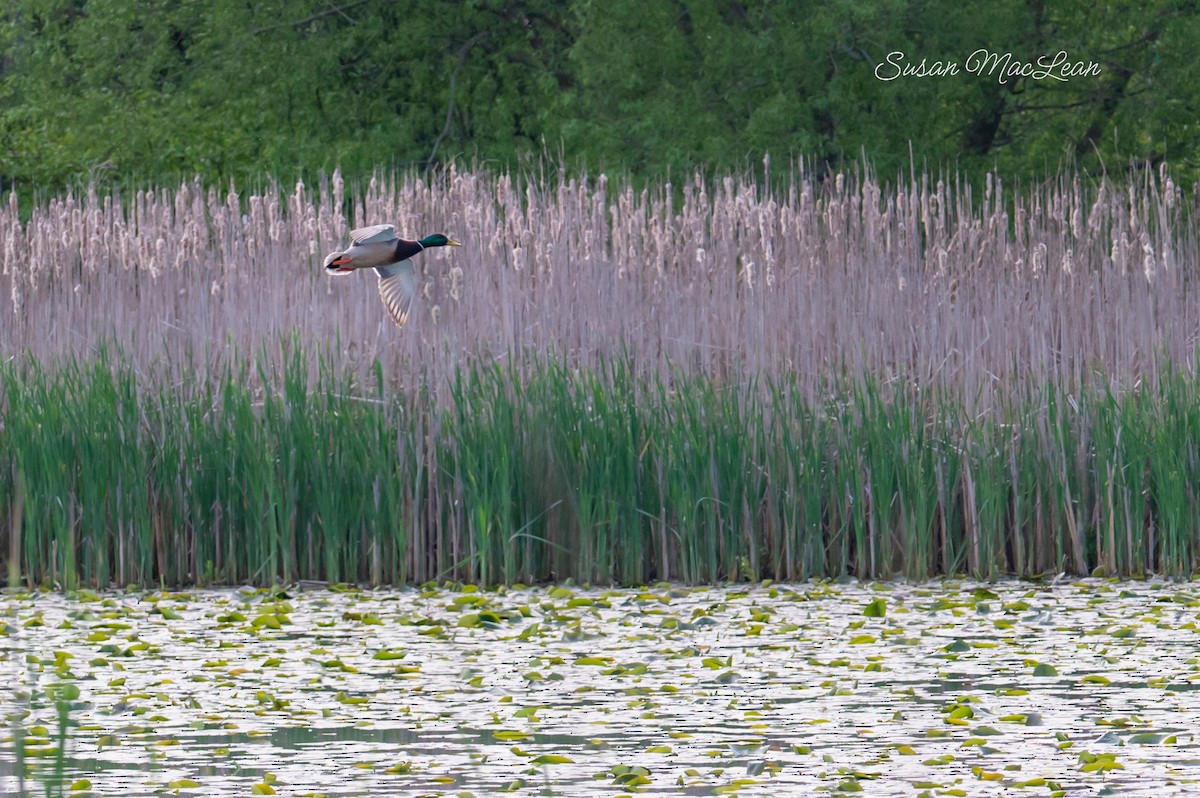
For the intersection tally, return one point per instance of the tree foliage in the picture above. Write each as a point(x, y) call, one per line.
point(157, 88)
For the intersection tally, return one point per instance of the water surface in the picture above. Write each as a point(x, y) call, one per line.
point(946, 688)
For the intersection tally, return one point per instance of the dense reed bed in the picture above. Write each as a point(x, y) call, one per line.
point(703, 382)
point(596, 475)
point(1045, 284)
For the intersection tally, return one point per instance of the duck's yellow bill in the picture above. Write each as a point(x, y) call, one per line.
point(450, 242)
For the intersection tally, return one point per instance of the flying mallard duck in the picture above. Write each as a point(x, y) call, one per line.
point(378, 248)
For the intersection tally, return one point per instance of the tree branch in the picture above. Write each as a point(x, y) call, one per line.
point(462, 60)
point(297, 23)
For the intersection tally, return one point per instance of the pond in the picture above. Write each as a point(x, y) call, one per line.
point(1084, 687)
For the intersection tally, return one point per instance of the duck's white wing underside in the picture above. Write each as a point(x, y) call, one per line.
point(398, 288)
point(372, 234)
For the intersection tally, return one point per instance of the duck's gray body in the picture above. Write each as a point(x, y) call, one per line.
point(377, 247)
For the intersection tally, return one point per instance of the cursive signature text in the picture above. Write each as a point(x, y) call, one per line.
point(1002, 66)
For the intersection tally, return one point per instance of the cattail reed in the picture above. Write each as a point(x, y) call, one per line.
point(706, 381)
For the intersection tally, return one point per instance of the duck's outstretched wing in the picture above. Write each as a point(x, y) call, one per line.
point(398, 288)
point(373, 234)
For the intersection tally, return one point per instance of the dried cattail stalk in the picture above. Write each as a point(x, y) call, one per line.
point(923, 280)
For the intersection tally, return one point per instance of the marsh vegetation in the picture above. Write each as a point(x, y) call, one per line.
point(707, 381)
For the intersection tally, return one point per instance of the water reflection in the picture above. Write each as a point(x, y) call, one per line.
point(762, 690)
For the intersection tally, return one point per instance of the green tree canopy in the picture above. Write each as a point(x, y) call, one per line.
point(149, 89)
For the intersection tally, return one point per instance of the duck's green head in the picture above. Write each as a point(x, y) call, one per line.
point(438, 240)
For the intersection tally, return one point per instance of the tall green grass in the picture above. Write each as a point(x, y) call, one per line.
point(711, 380)
point(284, 470)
